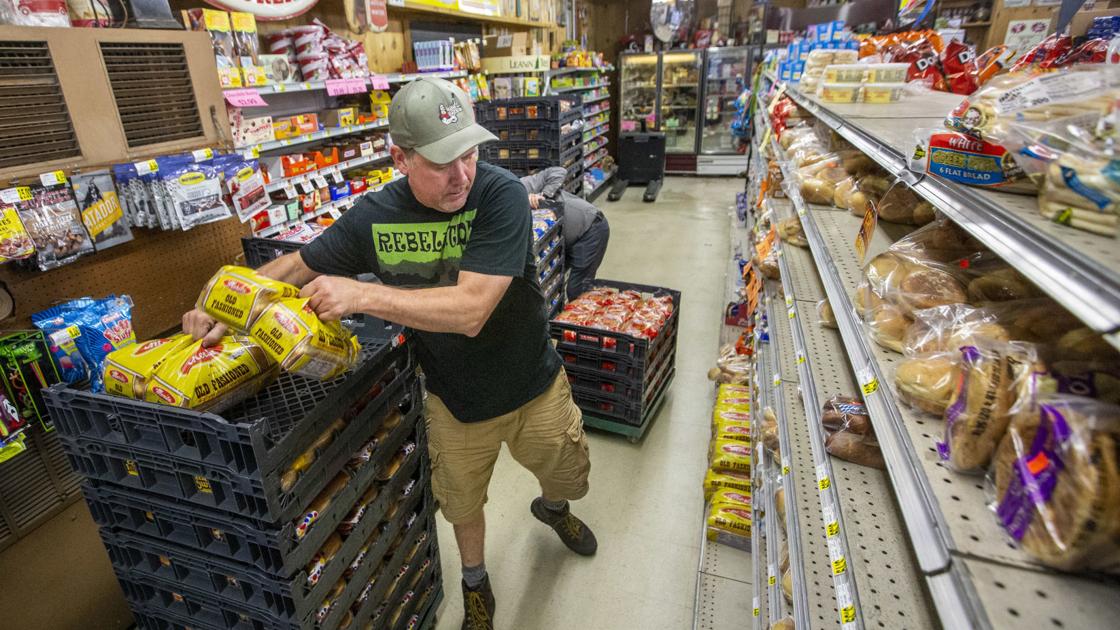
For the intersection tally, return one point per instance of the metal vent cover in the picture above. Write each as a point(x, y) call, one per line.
point(151, 85)
point(35, 124)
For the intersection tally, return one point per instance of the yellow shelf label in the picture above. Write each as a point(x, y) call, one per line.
point(832, 529)
point(824, 483)
point(839, 565)
point(773, 580)
point(848, 614)
point(871, 387)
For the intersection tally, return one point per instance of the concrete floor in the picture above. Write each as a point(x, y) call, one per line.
point(645, 500)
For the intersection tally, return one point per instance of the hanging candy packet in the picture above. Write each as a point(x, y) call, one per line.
point(15, 242)
point(245, 184)
point(194, 192)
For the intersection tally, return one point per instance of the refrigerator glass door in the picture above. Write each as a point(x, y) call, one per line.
point(725, 77)
point(680, 97)
point(638, 99)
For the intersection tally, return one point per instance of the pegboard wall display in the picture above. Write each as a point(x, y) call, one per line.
point(163, 272)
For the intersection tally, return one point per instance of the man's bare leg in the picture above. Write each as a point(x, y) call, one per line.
point(471, 537)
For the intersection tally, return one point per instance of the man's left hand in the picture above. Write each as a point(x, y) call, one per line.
point(331, 297)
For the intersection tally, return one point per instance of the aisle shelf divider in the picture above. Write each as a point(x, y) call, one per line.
point(832, 519)
point(1086, 287)
point(775, 603)
point(793, 528)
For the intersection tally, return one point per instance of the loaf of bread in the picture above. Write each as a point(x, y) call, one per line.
point(926, 287)
point(780, 504)
point(855, 448)
point(770, 431)
point(1000, 285)
point(787, 585)
point(791, 232)
point(844, 413)
point(785, 623)
point(825, 315)
point(948, 327)
point(927, 382)
point(978, 413)
point(818, 191)
point(1057, 483)
point(888, 325)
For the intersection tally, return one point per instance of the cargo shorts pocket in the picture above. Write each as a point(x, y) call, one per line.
point(575, 458)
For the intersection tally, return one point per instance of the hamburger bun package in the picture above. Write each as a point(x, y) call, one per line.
point(236, 296)
point(294, 336)
point(211, 379)
point(129, 370)
point(1056, 483)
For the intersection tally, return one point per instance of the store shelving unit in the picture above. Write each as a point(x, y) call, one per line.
point(329, 208)
point(1080, 270)
point(974, 578)
point(280, 184)
point(323, 134)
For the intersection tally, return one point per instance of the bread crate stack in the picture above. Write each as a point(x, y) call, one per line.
point(305, 507)
point(534, 134)
point(619, 346)
point(548, 248)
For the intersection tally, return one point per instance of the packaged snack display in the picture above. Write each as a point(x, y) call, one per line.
point(216, 24)
point(51, 219)
point(100, 209)
point(839, 92)
point(15, 242)
point(60, 327)
point(294, 336)
point(245, 185)
point(882, 93)
point(1056, 483)
point(128, 371)
point(39, 13)
point(236, 296)
point(976, 419)
point(82, 332)
point(211, 378)
point(194, 192)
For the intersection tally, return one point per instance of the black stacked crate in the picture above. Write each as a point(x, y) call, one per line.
point(208, 525)
point(535, 133)
point(619, 379)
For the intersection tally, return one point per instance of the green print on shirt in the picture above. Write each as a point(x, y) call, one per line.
point(423, 249)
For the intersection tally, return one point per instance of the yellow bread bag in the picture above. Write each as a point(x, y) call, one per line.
point(731, 496)
point(236, 296)
point(721, 416)
point(128, 370)
point(734, 431)
point(730, 524)
point(727, 390)
point(730, 456)
point(294, 336)
point(213, 378)
point(714, 481)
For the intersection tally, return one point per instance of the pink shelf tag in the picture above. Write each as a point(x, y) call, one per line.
point(379, 82)
point(341, 87)
point(245, 97)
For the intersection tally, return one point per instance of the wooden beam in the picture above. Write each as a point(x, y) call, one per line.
point(460, 15)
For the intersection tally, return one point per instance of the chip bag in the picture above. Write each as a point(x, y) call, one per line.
point(295, 337)
point(211, 379)
point(128, 370)
point(105, 326)
point(236, 296)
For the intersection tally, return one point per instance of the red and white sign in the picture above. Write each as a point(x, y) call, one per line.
point(342, 87)
point(267, 10)
point(377, 15)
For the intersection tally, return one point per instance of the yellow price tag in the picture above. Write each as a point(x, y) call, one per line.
point(773, 580)
point(203, 484)
point(785, 470)
point(53, 178)
point(848, 614)
point(871, 387)
point(792, 314)
point(839, 565)
point(800, 359)
point(756, 611)
point(131, 468)
point(824, 483)
point(280, 87)
point(24, 193)
point(832, 529)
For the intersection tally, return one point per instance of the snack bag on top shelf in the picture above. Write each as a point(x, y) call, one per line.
point(1055, 483)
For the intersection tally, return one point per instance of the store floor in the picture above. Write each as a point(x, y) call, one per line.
point(645, 499)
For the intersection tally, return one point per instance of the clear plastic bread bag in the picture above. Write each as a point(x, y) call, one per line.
point(825, 316)
point(928, 381)
point(899, 204)
point(850, 435)
point(1055, 483)
point(992, 377)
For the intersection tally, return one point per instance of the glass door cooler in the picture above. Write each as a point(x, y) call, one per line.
point(679, 107)
point(638, 97)
point(726, 75)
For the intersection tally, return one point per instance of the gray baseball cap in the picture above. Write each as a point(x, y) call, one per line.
point(436, 118)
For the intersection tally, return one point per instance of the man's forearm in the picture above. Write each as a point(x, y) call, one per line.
point(288, 268)
point(439, 309)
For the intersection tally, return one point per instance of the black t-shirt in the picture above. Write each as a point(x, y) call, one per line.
point(406, 244)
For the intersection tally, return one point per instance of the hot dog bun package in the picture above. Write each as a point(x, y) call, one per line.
point(236, 296)
point(1055, 481)
point(729, 518)
point(294, 336)
point(211, 379)
point(129, 370)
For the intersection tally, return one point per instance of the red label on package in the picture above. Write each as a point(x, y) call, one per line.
point(967, 160)
point(342, 87)
point(245, 97)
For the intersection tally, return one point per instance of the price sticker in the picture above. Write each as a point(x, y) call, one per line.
point(336, 175)
point(832, 529)
point(15, 195)
point(785, 466)
point(792, 313)
point(245, 97)
point(335, 214)
point(848, 614)
point(789, 302)
point(320, 181)
point(379, 82)
point(839, 565)
point(290, 191)
point(252, 152)
point(342, 87)
point(146, 167)
point(53, 178)
point(280, 87)
point(772, 580)
point(772, 572)
point(305, 186)
point(866, 230)
point(870, 387)
point(202, 155)
point(757, 610)
point(824, 483)
point(800, 358)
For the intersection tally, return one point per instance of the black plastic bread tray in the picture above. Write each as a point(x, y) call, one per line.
point(264, 546)
point(203, 579)
point(259, 251)
point(613, 346)
point(252, 494)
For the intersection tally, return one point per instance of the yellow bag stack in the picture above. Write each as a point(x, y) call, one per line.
point(128, 370)
point(236, 296)
point(727, 485)
point(211, 379)
point(295, 337)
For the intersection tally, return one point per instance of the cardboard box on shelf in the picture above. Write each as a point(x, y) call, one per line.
point(341, 117)
point(507, 45)
point(305, 123)
point(248, 131)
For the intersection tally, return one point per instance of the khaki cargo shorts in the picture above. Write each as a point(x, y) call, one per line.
point(544, 435)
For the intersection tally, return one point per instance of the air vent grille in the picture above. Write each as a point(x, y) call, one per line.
point(34, 121)
point(152, 87)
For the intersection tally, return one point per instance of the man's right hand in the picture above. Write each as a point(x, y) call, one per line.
point(201, 326)
point(535, 200)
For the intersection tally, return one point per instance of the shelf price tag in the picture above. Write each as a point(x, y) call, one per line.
point(839, 565)
point(777, 380)
point(866, 230)
point(305, 186)
point(245, 97)
point(870, 387)
point(290, 191)
point(379, 82)
point(53, 178)
point(15, 195)
point(757, 610)
point(832, 529)
point(146, 167)
point(848, 614)
point(785, 466)
point(251, 153)
point(336, 175)
point(772, 575)
point(342, 87)
point(800, 358)
point(320, 181)
point(202, 155)
point(823, 481)
point(335, 214)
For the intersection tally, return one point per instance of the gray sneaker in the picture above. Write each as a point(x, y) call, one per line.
point(572, 531)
